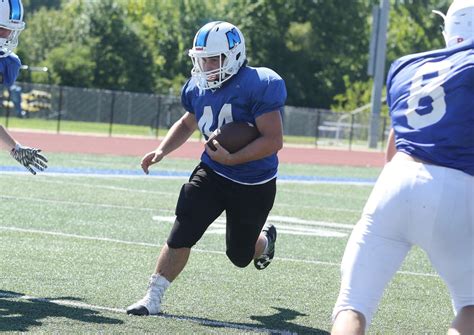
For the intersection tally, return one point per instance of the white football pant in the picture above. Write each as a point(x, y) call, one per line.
point(411, 204)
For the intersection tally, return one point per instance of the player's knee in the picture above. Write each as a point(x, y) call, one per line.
point(349, 322)
point(174, 243)
point(240, 257)
point(180, 237)
point(464, 321)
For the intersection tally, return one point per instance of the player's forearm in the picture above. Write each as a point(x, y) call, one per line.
point(262, 147)
point(6, 140)
point(176, 136)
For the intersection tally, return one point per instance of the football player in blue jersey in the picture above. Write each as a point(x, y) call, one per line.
point(222, 89)
point(11, 25)
point(425, 193)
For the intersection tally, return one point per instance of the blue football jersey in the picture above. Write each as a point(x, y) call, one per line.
point(431, 101)
point(250, 93)
point(9, 69)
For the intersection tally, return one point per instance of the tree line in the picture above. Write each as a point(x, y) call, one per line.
point(319, 47)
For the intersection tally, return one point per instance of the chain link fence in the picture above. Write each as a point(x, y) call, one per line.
point(60, 106)
point(329, 128)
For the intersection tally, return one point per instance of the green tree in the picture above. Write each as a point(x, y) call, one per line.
point(413, 28)
point(34, 5)
point(122, 61)
point(320, 48)
point(45, 30)
point(167, 28)
point(70, 65)
point(312, 44)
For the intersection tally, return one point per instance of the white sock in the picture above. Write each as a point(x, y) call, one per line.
point(159, 280)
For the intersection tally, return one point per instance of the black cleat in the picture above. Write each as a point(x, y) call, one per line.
point(266, 258)
point(137, 310)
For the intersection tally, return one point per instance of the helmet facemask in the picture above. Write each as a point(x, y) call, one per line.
point(217, 39)
point(211, 79)
point(7, 44)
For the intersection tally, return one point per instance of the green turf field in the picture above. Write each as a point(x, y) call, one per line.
point(76, 250)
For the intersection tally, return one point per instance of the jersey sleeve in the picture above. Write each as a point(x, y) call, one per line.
point(269, 96)
point(9, 69)
point(388, 85)
point(186, 97)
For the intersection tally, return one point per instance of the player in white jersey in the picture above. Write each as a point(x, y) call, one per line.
point(11, 25)
point(425, 193)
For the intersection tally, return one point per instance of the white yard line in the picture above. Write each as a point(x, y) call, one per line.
point(61, 302)
point(318, 208)
point(287, 180)
point(326, 182)
point(205, 322)
point(93, 238)
point(218, 227)
point(45, 179)
point(81, 203)
point(272, 218)
point(176, 193)
point(106, 187)
point(321, 194)
point(81, 237)
point(289, 231)
point(290, 219)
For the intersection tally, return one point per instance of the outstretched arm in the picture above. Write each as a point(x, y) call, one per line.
point(176, 136)
point(6, 140)
point(30, 158)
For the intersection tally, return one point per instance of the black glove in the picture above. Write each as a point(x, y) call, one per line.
point(29, 158)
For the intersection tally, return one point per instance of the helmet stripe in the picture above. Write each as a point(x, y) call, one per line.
point(203, 34)
point(15, 9)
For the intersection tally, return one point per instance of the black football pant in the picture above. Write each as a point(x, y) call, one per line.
point(203, 199)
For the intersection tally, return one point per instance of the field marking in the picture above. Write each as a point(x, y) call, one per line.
point(218, 227)
point(79, 203)
point(286, 230)
point(206, 322)
point(47, 173)
point(167, 174)
point(315, 180)
point(81, 237)
point(105, 187)
point(106, 239)
point(61, 302)
point(148, 209)
point(278, 218)
point(154, 209)
point(323, 194)
point(175, 193)
point(319, 208)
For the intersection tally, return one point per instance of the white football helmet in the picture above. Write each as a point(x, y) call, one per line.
point(11, 18)
point(217, 39)
point(458, 22)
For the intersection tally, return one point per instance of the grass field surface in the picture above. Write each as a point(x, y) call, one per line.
point(78, 244)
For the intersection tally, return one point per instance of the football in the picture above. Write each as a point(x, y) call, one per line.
point(233, 136)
